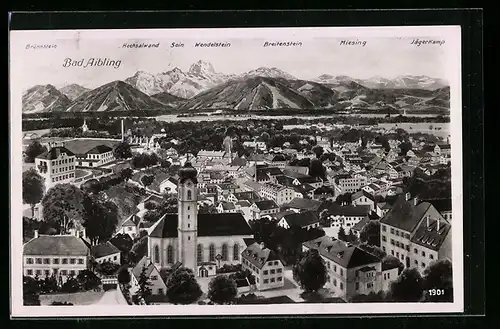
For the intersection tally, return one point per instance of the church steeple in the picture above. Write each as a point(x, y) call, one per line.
point(187, 216)
point(85, 128)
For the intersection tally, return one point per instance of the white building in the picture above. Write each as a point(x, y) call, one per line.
point(56, 166)
point(106, 252)
point(265, 265)
point(277, 193)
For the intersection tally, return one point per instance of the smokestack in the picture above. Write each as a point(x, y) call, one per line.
point(438, 224)
point(428, 221)
point(36, 234)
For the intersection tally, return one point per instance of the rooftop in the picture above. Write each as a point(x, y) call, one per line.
point(56, 245)
point(304, 204)
point(301, 219)
point(349, 210)
point(54, 153)
point(103, 249)
point(266, 204)
point(258, 256)
point(405, 215)
point(429, 236)
point(83, 146)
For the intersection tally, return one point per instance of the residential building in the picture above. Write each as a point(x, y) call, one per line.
point(350, 270)
point(399, 228)
point(56, 166)
point(60, 255)
point(351, 184)
point(169, 185)
point(226, 207)
point(265, 265)
point(305, 220)
point(363, 198)
point(158, 286)
point(277, 193)
point(301, 204)
point(346, 217)
point(443, 206)
point(105, 252)
point(96, 157)
point(264, 208)
point(129, 226)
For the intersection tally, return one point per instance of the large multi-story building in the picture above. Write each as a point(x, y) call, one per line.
point(56, 166)
point(351, 184)
point(59, 255)
point(415, 232)
point(96, 157)
point(265, 265)
point(350, 270)
point(264, 208)
point(278, 193)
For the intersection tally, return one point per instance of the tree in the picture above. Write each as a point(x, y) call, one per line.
point(91, 186)
point(88, 280)
point(310, 271)
point(408, 287)
point(33, 188)
point(222, 290)
point(151, 205)
point(342, 235)
point(126, 174)
point(264, 137)
point(100, 218)
point(370, 233)
point(370, 298)
point(324, 218)
point(107, 268)
point(316, 169)
point(124, 276)
point(62, 206)
point(144, 283)
point(182, 287)
point(438, 277)
point(147, 180)
point(71, 285)
point(31, 291)
point(318, 150)
point(122, 151)
point(33, 150)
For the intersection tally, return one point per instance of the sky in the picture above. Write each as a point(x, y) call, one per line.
point(386, 56)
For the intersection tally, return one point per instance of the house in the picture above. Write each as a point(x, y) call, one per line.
point(169, 185)
point(351, 184)
point(363, 198)
point(158, 286)
point(443, 206)
point(56, 166)
point(444, 149)
point(265, 265)
point(105, 252)
point(350, 270)
point(278, 193)
point(129, 226)
point(359, 226)
point(382, 208)
point(276, 160)
point(399, 227)
point(249, 196)
point(300, 204)
point(245, 208)
point(96, 157)
point(63, 256)
point(203, 154)
point(226, 207)
point(263, 208)
point(346, 217)
point(305, 220)
point(390, 272)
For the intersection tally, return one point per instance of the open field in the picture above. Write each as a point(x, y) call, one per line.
point(77, 298)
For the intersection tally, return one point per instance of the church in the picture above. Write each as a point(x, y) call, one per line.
point(201, 242)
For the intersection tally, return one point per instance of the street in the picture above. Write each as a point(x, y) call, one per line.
point(112, 297)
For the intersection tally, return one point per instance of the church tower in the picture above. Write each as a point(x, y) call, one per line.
point(187, 216)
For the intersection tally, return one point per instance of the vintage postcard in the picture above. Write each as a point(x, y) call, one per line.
point(217, 171)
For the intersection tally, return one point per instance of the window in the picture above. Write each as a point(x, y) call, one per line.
point(423, 264)
point(335, 282)
point(211, 253)
point(273, 271)
point(407, 247)
point(335, 268)
point(423, 253)
point(38, 260)
point(431, 256)
point(392, 252)
point(397, 254)
point(279, 270)
point(384, 228)
point(199, 253)
point(266, 280)
point(280, 279)
point(224, 252)
point(47, 272)
point(189, 195)
point(154, 277)
point(38, 272)
point(80, 261)
point(389, 275)
point(392, 241)
point(160, 291)
point(341, 286)
point(156, 254)
point(64, 272)
point(392, 231)
point(257, 280)
point(384, 238)
point(397, 233)
point(55, 261)
point(72, 261)
point(416, 262)
point(357, 285)
point(71, 272)
point(29, 272)
point(369, 285)
point(266, 272)
point(29, 260)
point(65, 261)
point(170, 254)
point(341, 271)
point(383, 248)
point(236, 252)
point(415, 250)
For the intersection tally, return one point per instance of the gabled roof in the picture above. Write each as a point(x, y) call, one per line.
point(56, 245)
point(145, 261)
point(304, 204)
point(362, 193)
point(227, 205)
point(359, 225)
point(301, 219)
point(103, 249)
point(442, 205)
point(100, 149)
point(349, 210)
point(293, 173)
point(343, 254)
point(258, 256)
point(247, 195)
point(266, 204)
point(244, 203)
point(54, 153)
point(225, 224)
point(83, 146)
point(429, 236)
point(405, 215)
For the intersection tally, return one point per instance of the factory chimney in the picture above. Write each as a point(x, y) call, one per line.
point(123, 133)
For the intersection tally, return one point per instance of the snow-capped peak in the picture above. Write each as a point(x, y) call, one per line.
point(201, 68)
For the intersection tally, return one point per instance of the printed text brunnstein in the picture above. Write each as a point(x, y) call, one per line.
point(68, 62)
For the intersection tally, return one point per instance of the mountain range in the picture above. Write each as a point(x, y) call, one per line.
point(201, 87)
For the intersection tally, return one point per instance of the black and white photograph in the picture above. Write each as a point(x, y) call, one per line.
point(217, 171)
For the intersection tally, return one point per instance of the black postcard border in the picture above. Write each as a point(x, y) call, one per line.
point(472, 112)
